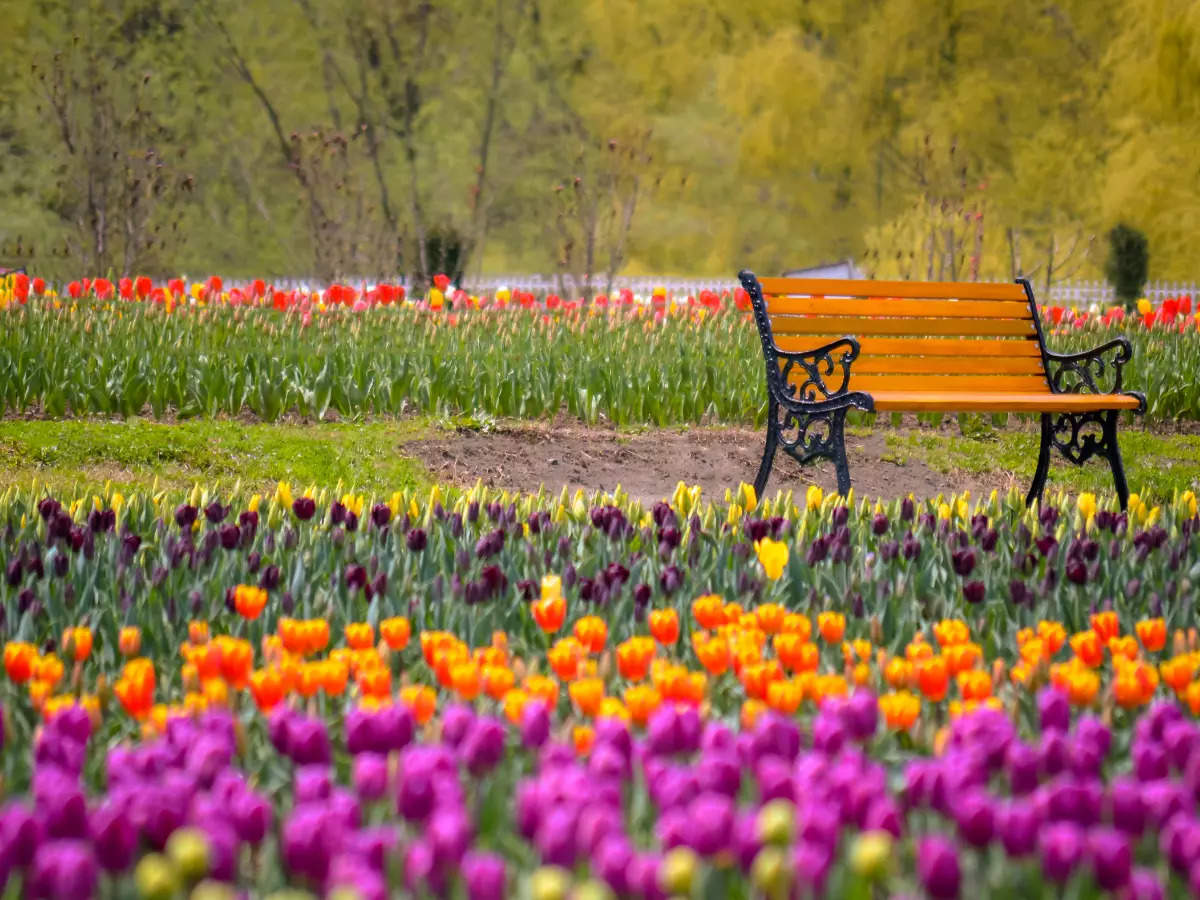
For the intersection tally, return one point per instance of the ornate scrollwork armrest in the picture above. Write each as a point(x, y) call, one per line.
point(817, 365)
point(1089, 372)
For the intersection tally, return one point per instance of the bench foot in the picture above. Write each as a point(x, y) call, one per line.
point(805, 437)
point(1079, 437)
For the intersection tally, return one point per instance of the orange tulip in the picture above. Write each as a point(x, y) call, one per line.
point(975, 684)
point(1054, 636)
point(900, 710)
point(360, 635)
point(19, 658)
point(77, 643)
point(514, 705)
point(949, 632)
point(48, 669)
point(795, 654)
point(933, 678)
point(466, 680)
point(709, 611)
point(1123, 646)
point(1152, 633)
point(586, 694)
point(592, 633)
point(197, 632)
point(1106, 625)
point(898, 673)
point(237, 659)
point(249, 600)
point(962, 657)
point(797, 624)
point(583, 737)
point(633, 657)
point(713, 654)
point(549, 613)
point(497, 681)
point(1087, 648)
point(664, 626)
point(543, 688)
point(1177, 672)
point(129, 641)
point(832, 626)
point(564, 658)
point(376, 682)
point(421, 699)
point(396, 632)
point(642, 700)
point(770, 617)
point(918, 648)
point(784, 696)
point(266, 688)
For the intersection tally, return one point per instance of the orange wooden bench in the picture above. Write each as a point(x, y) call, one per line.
point(833, 345)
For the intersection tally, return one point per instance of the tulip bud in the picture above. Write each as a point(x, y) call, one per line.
point(772, 872)
point(188, 849)
point(156, 878)
point(549, 883)
point(677, 875)
point(870, 854)
point(777, 822)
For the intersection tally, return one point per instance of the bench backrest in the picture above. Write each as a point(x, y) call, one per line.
point(913, 336)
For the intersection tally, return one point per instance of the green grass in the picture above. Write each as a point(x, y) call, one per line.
point(133, 454)
point(1156, 465)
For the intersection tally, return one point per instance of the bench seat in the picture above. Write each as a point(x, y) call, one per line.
point(1001, 401)
point(907, 346)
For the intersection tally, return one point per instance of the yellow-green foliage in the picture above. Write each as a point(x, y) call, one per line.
point(956, 138)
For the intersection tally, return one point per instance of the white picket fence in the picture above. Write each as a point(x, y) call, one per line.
point(1069, 293)
point(1085, 293)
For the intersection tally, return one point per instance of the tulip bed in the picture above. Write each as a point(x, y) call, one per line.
point(485, 696)
point(351, 353)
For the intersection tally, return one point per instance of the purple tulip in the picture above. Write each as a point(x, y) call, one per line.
point(1125, 803)
point(416, 540)
point(370, 775)
point(938, 868)
point(613, 860)
point(535, 725)
point(251, 816)
point(484, 876)
point(1021, 762)
point(1061, 846)
point(483, 747)
point(1054, 710)
point(1018, 826)
point(114, 838)
point(63, 870)
point(1144, 884)
point(457, 721)
point(710, 817)
point(975, 817)
point(450, 832)
point(307, 740)
point(1112, 858)
point(310, 836)
point(312, 784)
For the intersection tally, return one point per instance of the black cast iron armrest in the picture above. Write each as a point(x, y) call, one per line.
point(817, 366)
point(1088, 372)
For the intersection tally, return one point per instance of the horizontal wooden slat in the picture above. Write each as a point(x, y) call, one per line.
point(1006, 347)
point(849, 325)
point(872, 306)
point(997, 401)
point(833, 287)
point(870, 364)
point(948, 383)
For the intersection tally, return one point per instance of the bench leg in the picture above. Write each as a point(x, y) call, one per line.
point(837, 441)
point(1043, 463)
point(1113, 452)
point(1074, 434)
point(764, 468)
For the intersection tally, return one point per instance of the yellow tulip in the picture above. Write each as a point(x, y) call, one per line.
point(773, 555)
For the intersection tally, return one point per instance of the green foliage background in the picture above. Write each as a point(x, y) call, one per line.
point(944, 138)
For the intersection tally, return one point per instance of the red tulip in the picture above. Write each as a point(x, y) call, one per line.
point(103, 288)
point(74, 289)
point(39, 286)
point(142, 286)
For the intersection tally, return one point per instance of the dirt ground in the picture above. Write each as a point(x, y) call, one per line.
point(649, 465)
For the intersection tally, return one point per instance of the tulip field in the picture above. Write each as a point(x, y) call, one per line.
point(453, 692)
point(167, 351)
point(489, 696)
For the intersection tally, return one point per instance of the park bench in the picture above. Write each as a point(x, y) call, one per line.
point(952, 347)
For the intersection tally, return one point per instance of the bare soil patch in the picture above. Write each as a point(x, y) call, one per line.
point(650, 464)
